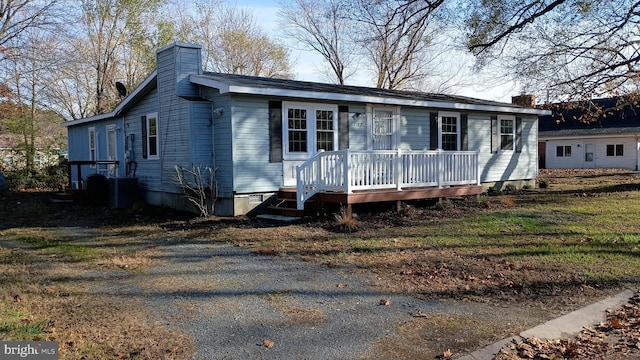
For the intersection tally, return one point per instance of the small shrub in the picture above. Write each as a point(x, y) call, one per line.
point(543, 183)
point(493, 191)
point(444, 204)
point(526, 187)
point(52, 177)
point(346, 222)
point(510, 188)
point(507, 201)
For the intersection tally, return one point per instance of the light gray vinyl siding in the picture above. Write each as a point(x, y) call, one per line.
point(414, 128)
point(251, 167)
point(222, 144)
point(357, 127)
point(146, 170)
point(508, 165)
point(78, 136)
point(201, 134)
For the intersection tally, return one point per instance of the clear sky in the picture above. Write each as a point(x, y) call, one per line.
point(307, 65)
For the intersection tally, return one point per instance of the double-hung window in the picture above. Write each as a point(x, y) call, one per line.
point(93, 142)
point(150, 143)
point(563, 151)
point(309, 128)
point(615, 150)
point(507, 134)
point(449, 131)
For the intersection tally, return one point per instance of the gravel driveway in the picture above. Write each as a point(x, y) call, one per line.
point(238, 305)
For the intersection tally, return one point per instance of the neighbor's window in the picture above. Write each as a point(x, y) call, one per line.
point(615, 150)
point(92, 145)
point(507, 134)
point(563, 151)
point(152, 136)
point(449, 132)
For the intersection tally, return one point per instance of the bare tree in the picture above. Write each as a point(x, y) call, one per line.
point(322, 26)
point(565, 49)
point(233, 42)
point(107, 24)
point(17, 16)
point(25, 65)
point(396, 36)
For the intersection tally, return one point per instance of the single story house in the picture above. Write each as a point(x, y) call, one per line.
point(610, 139)
point(265, 136)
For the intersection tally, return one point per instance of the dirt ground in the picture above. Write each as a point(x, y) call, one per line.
point(49, 280)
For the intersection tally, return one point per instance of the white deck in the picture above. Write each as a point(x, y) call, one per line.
point(348, 171)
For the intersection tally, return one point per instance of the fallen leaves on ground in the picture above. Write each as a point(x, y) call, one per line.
point(618, 337)
point(267, 343)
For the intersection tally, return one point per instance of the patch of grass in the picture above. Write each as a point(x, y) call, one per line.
point(18, 325)
point(42, 239)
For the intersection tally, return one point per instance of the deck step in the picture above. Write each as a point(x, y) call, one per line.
point(286, 205)
point(285, 211)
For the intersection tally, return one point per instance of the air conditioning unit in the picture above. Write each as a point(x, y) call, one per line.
point(123, 192)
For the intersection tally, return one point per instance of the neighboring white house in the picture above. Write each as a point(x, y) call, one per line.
point(12, 156)
point(267, 137)
point(611, 140)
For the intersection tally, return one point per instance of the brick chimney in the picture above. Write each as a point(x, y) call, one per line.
point(524, 100)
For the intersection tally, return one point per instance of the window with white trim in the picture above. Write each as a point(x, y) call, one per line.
point(309, 128)
point(507, 134)
point(111, 148)
point(153, 146)
point(615, 150)
point(449, 131)
point(93, 153)
point(563, 151)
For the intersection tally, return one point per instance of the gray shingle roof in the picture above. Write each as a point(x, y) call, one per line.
point(295, 85)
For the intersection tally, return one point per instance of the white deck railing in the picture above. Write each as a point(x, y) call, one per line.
point(348, 170)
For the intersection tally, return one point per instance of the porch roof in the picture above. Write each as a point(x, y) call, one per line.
point(251, 85)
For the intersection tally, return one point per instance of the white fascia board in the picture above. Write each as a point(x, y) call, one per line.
point(133, 95)
point(226, 88)
point(89, 119)
point(208, 82)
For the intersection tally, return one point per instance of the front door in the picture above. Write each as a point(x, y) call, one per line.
point(307, 128)
point(588, 155)
point(383, 128)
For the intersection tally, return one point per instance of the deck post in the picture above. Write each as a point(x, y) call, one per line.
point(478, 167)
point(440, 166)
point(398, 170)
point(347, 171)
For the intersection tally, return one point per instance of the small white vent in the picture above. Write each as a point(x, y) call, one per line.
point(256, 199)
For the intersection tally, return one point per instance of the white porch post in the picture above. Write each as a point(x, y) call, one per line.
point(440, 166)
point(478, 167)
point(347, 171)
point(398, 169)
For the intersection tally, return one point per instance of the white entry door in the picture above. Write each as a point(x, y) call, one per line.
point(383, 125)
point(589, 155)
point(307, 128)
